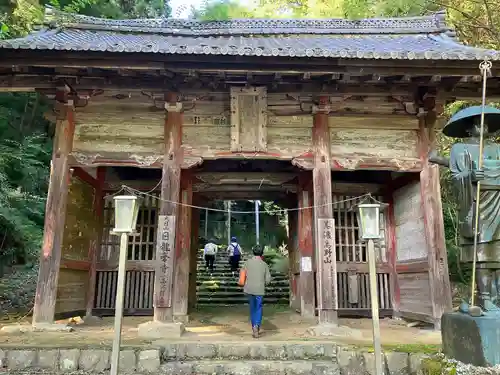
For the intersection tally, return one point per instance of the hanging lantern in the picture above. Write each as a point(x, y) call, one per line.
point(126, 212)
point(369, 220)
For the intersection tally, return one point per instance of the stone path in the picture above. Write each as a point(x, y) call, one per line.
point(226, 325)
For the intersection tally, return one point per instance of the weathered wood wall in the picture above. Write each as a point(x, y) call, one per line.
point(81, 226)
point(411, 254)
point(363, 133)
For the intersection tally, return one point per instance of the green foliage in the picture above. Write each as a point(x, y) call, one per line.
point(25, 151)
point(221, 10)
point(272, 224)
point(25, 136)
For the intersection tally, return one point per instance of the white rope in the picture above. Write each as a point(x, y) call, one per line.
point(147, 194)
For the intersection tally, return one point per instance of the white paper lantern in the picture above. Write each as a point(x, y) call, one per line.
point(369, 220)
point(126, 211)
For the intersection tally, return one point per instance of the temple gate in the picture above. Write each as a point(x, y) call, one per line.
point(188, 113)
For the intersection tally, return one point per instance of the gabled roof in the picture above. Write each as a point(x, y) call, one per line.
point(414, 38)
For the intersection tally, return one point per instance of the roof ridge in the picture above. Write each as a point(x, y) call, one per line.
point(433, 23)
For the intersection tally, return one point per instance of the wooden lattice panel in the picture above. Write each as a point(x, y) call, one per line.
point(142, 245)
point(141, 248)
point(363, 296)
point(138, 290)
point(348, 247)
point(353, 286)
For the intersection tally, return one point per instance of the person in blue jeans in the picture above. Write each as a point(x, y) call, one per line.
point(254, 277)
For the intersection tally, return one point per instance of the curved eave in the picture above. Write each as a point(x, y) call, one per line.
point(382, 47)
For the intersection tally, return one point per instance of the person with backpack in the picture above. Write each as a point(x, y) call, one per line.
point(254, 277)
point(234, 250)
point(210, 251)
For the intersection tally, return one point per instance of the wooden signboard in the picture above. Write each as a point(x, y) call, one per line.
point(164, 271)
point(248, 119)
point(328, 263)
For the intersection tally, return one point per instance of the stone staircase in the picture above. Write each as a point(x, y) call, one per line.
point(221, 287)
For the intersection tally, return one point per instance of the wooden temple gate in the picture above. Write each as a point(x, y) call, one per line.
point(343, 115)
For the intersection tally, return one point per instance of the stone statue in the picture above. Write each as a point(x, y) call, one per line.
point(464, 167)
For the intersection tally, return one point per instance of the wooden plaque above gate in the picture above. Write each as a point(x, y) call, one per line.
point(248, 119)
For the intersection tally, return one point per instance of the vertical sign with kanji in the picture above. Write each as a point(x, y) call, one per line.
point(328, 260)
point(164, 270)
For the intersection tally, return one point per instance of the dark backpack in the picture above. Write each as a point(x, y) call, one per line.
point(236, 249)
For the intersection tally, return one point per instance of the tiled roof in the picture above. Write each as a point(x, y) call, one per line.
point(392, 38)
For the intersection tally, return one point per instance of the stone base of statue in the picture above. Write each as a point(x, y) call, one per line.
point(472, 339)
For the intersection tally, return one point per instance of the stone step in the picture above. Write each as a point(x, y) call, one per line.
point(235, 286)
point(229, 276)
point(241, 300)
point(231, 294)
point(251, 367)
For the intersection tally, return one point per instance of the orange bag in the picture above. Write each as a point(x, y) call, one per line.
point(243, 278)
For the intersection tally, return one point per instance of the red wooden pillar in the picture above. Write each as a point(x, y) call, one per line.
point(322, 184)
point(55, 215)
point(293, 252)
point(193, 261)
point(440, 289)
point(170, 188)
point(183, 249)
point(96, 243)
point(306, 250)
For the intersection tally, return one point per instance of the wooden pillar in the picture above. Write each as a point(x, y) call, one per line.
point(391, 254)
point(170, 187)
point(55, 214)
point(306, 250)
point(95, 246)
point(183, 249)
point(293, 252)
point(193, 261)
point(440, 289)
point(322, 184)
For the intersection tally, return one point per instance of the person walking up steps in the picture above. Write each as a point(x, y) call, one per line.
point(234, 250)
point(254, 277)
point(210, 251)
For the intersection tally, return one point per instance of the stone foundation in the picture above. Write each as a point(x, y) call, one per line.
point(252, 358)
point(203, 358)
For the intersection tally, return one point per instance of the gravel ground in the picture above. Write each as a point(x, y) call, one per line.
point(17, 292)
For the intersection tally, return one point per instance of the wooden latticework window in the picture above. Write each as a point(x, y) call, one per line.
point(348, 247)
point(141, 248)
point(352, 261)
point(142, 245)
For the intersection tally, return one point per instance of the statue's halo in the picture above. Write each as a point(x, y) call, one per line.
point(464, 120)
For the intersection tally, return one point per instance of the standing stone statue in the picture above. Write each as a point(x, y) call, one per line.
point(465, 173)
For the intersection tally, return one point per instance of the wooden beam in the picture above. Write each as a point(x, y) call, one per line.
point(418, 266)
point(80, 265)
point(170, 188)
point(85, 177)
point(193, 260)
point(440, 289)
point(306, 251)
point(245, 63)
point(249, 195)
point(207, 188)
point(322, 185)
point(55, 216)
point(95, 245)
point(49, 83)
point(183, 249)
